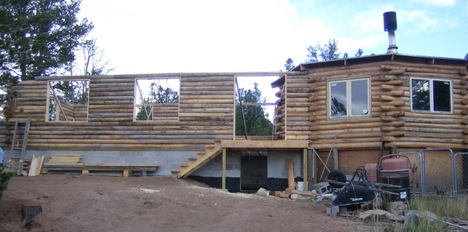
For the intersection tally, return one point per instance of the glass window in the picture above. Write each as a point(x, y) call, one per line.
point(359, 97)
point(431, 95)
point(338, 99)
point(350, 94)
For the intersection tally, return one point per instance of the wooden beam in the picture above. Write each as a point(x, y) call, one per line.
point(290, 165)
point(276, 144)
point(168, 75)
point(305, 169)
point(223, 178)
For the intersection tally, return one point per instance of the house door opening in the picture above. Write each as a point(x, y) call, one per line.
point(253, 173)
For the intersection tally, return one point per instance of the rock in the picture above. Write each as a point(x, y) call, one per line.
point(398, 208)
point(263, 192)
point(378, 215)
point(294, 196)
point(411, 218)
point(429, 215)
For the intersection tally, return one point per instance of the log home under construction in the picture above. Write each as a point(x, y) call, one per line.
point(358, 107)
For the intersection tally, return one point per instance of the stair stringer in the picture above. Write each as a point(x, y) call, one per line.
point(202, 158)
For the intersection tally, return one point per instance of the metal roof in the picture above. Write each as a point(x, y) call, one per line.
point(380, 58)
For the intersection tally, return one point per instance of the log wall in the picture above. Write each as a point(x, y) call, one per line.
point(391, 120)
point(297, 108)
point(205, 113)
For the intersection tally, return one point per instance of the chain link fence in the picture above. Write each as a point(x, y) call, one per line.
point(432, 171)
point(460, 173)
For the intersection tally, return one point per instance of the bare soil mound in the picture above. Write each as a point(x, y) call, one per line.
point(106, 203)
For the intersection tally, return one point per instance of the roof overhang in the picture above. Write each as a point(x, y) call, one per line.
point(381, 58)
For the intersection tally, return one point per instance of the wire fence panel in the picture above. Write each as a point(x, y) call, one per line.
point(434, 169)
point(415, 174)
point(438, 171)
point(460, 173)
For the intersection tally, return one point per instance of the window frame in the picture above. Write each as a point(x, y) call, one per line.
point(349, 113)
point(137, 96)
point(48, 99)
point(431, 95)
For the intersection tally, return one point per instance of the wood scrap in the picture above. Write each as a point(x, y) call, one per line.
point(36, 165)
point(281, 194)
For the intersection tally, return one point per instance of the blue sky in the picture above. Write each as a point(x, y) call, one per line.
point(143, 36)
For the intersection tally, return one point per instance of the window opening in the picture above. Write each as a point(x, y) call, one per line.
point(67, 100)
point(157, 99)
point(255, 106)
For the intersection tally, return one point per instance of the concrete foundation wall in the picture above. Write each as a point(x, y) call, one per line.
point(167, 160)
point(277, 167)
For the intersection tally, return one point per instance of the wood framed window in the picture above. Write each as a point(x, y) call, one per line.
point(156, 99)
point(67, 101)
point(431, 95)
point(349, 98)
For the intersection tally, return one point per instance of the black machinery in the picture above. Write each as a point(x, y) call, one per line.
point(356, 191)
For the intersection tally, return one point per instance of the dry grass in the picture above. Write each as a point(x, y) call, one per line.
point(445, 208)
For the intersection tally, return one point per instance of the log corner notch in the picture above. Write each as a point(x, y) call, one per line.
point(464, 102)
point(392, 102)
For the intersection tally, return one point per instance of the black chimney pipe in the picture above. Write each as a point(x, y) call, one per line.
point(390, 25)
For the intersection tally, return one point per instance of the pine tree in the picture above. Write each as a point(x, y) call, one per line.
point(256, 120)
point(5, 176)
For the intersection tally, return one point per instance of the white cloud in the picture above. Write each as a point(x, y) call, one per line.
point(443, 3)
point(243, 35)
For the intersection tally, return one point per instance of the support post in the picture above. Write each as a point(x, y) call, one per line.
point(335, 159)
point(290, 166)
point(223, 178)
point(305, 169)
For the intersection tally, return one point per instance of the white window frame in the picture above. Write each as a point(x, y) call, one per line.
point(431, 95)
point(349, 98)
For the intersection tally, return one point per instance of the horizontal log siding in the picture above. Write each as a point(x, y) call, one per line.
point(391, 118)
point(206, 114)
point(280, 114)
point(297, 106)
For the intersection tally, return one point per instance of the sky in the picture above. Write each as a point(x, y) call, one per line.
point(143, 36)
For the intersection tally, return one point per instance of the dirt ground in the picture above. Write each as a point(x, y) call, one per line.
point(109, 203)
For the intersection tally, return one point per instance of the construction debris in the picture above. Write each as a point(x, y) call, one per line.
point(29, 212)
point(398, 208)
point(378, 215)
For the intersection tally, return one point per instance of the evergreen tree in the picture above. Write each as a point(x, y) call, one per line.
point(327, 51)
point(38, 37)
point(256, 120)
point(289, 65)
point(5, 176)
point(159, 94)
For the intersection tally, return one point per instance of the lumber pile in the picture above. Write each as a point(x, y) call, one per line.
point(66, 163)
point(126, 169)
point(63, 163)
point(64, 160)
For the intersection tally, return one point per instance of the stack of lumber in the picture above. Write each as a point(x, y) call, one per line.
point(64, 163)
point(126, 169)
point(64, 160)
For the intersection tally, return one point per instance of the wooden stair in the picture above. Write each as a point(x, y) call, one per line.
point(211, 151)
